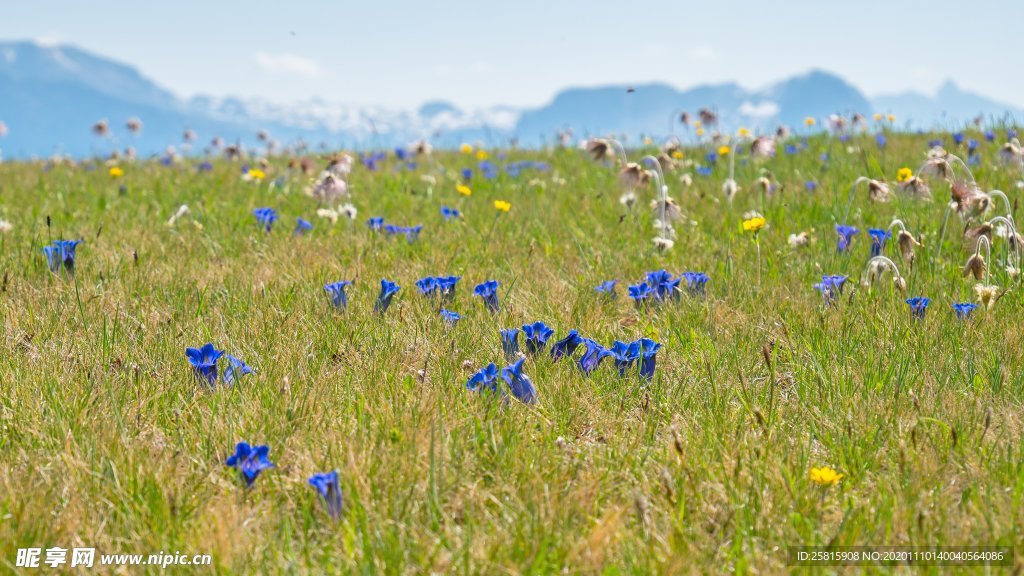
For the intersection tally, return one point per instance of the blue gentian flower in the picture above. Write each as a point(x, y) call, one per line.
point(449, 213)
point(846, 234)
point(990, 136)
point(486, 380)
point(400, 153)
point(648, 357)
point(918, 306)
point(61, 253)
point(235, 370)
point(266, 217)
point(205, 167)
point(810, 185)
point(510, 342)
point(936, 143)
point(1011, 133)
point(662, 285)
point(704, 170)
point(488, 168)
point(452, 318)
point(411, 232)
point(880, 140)
point(302, 226)
point(958, 138)
point(711, 158)
point(204, 362)
point(878, 238)
point(963, 309)
point(624, 355)
point(388, 289)
point(327, 485)
point(467, 174)
point(336, 290)
point(592, 356)
point(566, 346)
point(831, 287)
point(607, 287)
point(375, 223)
point(972, 146)
point(791, 149)
point(520, 384)
point(536, 336)
point(427, 286)
point(696, 282)
point(489, 292)
point(640, 293)
point(446, 286)
point(250, 461)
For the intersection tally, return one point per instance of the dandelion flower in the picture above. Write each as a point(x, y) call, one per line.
point(809, 121)
point(754, 224)
point(904, 174)
point(502, 206)
point(466, 149)
point(115, 172)
point(825, 476)
point(463, 189)
point(481, 155)
point(724, 150)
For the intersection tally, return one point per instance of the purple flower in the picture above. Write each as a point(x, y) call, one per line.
point(520, 384)
point(489, 292)
point(592, 356)
point(846, 234)
point(327, 486)
point(536, 336)
point(566, 346)
point(918, 306)
point(250, 461)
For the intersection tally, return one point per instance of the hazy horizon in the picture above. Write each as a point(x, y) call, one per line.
point(316, 50)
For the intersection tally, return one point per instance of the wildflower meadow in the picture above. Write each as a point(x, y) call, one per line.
point(681, 355)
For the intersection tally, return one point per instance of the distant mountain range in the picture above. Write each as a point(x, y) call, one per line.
point(50, 96)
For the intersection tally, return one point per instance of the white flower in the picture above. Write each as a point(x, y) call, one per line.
point(627, 199)
point(348, 210)
point(329, 214)
point(5, 226)
point(987, 295)
point(182, 211)
point(799, 240)
point(686, 180)
point(730, 188)
point(663, 244)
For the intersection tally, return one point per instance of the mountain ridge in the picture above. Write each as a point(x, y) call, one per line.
point(51, 94)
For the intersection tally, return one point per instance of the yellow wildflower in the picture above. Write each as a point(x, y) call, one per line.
point(481, 155)
point(700, 131)
point(904, 174)
point(466, 149)
point(891, 117)
point(256, 174)
point(724, 150)
point(743, 132)
point(463, 189)
point(697, 123)
point(878, 117)
point(678, 155)
point(809, 121)
point(825, 476)
point(502, 206)
point(754, 224)
point(115, 172)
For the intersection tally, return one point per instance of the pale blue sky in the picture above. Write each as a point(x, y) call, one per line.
point(521, 53)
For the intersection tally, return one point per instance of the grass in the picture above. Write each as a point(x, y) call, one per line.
point(108, 441)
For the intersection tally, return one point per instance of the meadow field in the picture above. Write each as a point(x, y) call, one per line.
point(775, 413)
